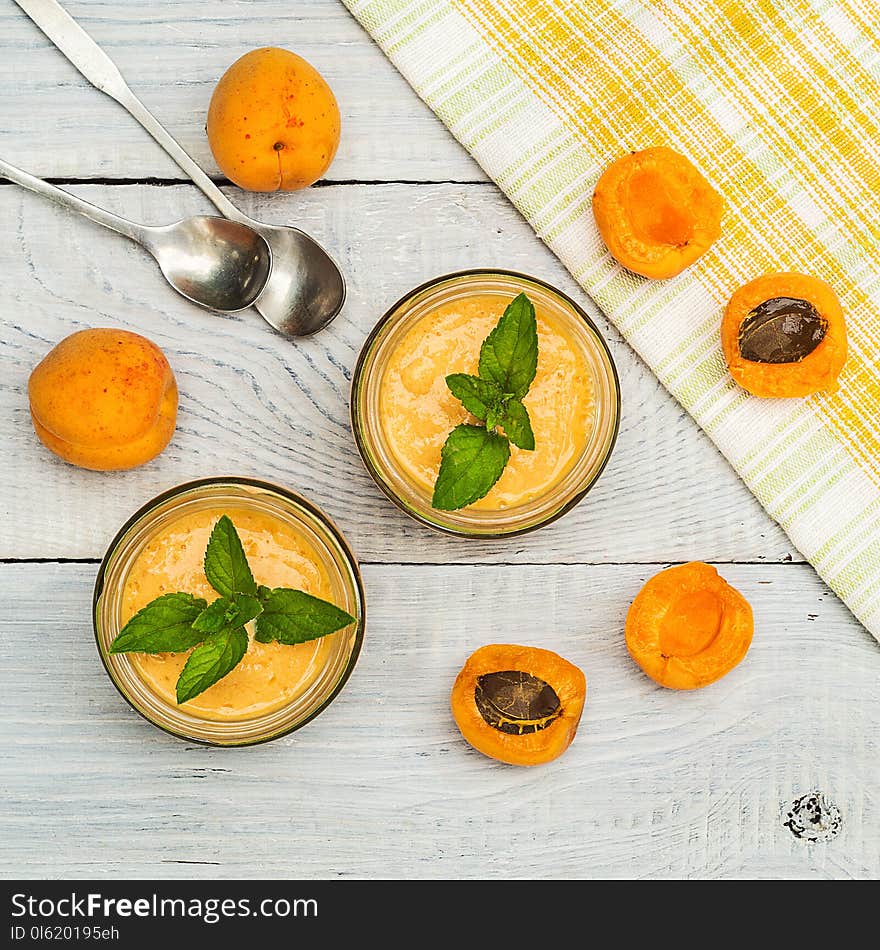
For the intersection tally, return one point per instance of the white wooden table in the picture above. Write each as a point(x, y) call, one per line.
point(657, 783)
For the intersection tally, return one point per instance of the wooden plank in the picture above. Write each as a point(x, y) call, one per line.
point(253, 403)
point(657, 783)
point(56, 124)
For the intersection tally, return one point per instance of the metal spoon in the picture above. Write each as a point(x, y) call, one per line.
point(218, 264)
point(306, 289)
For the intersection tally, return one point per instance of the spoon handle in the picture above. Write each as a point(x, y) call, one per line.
point(102, 73)
point(121, 225)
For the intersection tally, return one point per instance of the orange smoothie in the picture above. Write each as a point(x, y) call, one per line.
point(271, 674)
point(418, 411)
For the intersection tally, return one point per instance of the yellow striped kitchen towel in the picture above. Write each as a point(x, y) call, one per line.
point(777, 102)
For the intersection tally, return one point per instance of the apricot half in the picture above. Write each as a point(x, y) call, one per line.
point(520, 705)
point(655, 211)
point(687, 627)
point(273, 122)
point(784, 335)
point(104, 399)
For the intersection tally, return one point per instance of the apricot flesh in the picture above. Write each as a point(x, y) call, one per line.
point(656, 213)
point(104, 399)
point(659, 209)
point(688, 627)
point(691, 623)
point(273, 122)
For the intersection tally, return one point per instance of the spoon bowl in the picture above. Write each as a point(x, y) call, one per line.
point(214, 262)
point(307, 289)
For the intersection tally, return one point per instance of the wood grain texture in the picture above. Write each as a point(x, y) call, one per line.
point(253, 403)
point(56, 124)
point(656, 783)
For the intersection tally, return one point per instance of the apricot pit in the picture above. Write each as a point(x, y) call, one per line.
point(515, 702)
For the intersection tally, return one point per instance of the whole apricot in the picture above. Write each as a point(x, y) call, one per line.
point(273, 122)
point(104, 399)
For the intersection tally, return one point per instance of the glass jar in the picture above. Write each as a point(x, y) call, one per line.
point(412, 497)
point(270, 500)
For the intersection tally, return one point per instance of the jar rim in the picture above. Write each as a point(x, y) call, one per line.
point(298, 500)
point(398, 309)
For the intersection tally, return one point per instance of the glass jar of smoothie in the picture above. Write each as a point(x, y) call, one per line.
point(276, 688)
point(402, 410)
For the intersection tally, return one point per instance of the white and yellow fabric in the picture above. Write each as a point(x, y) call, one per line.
point(778, 103)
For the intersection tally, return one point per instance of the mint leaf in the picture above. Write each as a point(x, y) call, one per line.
point(227, 612)
point(226, 566)
point(471, 461)
point(509, 355)
point(211, 661)
point(163, 626)
point(293, 616)
point(493, 419)
point(517, 425)
point(477, 395)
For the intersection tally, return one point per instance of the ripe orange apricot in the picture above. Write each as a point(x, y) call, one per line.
point(784, 336)
point(273, 122)
point(688, 627)
point(104, 399)
point(518, 704)
point(656, 212)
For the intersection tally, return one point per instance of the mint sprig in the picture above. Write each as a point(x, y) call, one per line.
point(474, 457)
point(215, 632)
